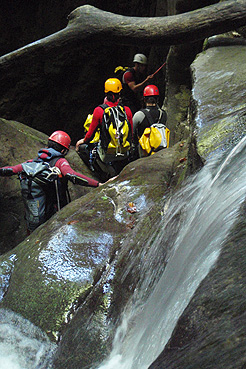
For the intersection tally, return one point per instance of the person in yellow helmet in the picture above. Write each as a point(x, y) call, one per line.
point(113, 88)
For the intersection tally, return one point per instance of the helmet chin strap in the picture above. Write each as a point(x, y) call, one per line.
point(114, 98)
point(64, 151)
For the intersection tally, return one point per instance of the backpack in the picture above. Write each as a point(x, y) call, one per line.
point(86, 127)
point(115, 135)
point(39, 189)
point(155, 137)
point(119, 71)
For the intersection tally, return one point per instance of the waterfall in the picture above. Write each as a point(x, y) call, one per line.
point(208, 205)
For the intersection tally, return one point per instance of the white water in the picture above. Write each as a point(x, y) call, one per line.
point(22, 345)
point(210, 204)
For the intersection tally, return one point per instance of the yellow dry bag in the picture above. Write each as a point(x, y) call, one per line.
point(154, 138)
point(87, 125)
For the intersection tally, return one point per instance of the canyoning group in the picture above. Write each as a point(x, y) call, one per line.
point(127, 126)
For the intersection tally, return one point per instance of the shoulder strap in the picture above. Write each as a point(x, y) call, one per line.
point(121, 106)
point(104, 106)
point(148, 116)
point(53, 161)
point(160, 116)
point(132, 70)
point(52, 164)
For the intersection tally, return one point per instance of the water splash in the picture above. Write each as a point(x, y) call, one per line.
point(22, 345)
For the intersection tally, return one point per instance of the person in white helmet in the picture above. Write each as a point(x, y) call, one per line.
point(133, 81)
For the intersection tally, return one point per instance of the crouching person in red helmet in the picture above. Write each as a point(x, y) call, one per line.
point(44, 180)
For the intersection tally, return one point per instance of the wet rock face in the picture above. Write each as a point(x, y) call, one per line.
point(224, 93)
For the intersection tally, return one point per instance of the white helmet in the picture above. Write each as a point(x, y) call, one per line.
point(140, 58)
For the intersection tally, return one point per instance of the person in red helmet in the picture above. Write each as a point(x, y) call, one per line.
point(53, 157)
point(144, 118)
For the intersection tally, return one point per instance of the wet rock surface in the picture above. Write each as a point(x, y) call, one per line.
point(220, 103)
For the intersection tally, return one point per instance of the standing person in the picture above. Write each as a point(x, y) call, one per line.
point(43, 197)
point(134, 80)
point(144, 118)
point(113, 164)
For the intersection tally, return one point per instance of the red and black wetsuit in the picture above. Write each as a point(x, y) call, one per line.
point(56, 196)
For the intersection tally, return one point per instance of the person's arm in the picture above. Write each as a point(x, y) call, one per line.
point(75, 177)
point(138, 117)
point(79, 142)
point(135, 88)
point(129, 80)
point(10, 171)
point(129, 116)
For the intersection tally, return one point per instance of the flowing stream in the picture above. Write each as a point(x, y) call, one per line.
point(209, 205)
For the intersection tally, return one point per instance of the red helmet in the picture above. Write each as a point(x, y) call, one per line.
point(61, 138)
point(151, 90)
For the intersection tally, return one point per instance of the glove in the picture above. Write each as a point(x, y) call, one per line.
point(134, 154)
point(6, 172)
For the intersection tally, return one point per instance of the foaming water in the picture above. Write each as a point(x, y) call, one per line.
point(22, 345)
point(208, 206)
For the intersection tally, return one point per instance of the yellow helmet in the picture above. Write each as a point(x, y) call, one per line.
point(113, 85)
